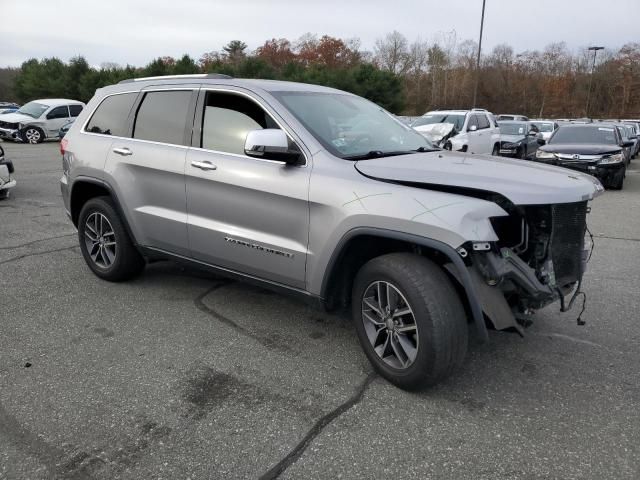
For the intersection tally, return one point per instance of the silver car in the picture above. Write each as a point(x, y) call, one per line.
point(324, 195)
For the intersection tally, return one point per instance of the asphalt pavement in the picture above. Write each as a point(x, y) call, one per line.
point(181, 374)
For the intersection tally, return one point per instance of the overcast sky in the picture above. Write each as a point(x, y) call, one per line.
point(135, 31)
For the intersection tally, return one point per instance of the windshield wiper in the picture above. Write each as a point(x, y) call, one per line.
point(381, 154)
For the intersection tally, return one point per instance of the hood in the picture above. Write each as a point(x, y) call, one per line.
point(16, 118)
point(523, 183)
point(581, 148)
point(511, 138)
point(435, 131)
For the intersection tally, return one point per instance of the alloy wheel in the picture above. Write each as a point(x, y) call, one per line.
point(100, 240)
point(390, 324)
point(32, 135)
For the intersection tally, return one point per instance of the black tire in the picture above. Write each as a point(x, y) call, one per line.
point(496, 150)
point(32, 135)
point(617, 181)
point(4, 194)
point(448, 146)
point(127, 262)
point(442, 332)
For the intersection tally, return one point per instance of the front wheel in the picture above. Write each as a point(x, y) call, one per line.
point(496, 151)
point(32, 135)
point(105, 244)
point(409, 320)
point(617, 181)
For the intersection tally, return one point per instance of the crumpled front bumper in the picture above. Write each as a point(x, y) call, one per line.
point(10, 134)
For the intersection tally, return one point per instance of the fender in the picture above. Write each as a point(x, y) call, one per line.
point(461, 270)
point(114, 197)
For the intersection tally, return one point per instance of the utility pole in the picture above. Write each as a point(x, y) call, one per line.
point(593, 66)
point(475, 88)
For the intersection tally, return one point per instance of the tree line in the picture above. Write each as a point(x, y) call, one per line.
point(404, 77)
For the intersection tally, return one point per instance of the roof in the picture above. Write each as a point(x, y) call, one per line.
point(52, 102)
point(218, 79)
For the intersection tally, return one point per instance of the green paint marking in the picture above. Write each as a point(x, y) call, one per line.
point(359, 199)
point(431, 210)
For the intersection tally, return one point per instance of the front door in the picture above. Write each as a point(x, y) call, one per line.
point(244, 214)
point(56, 118)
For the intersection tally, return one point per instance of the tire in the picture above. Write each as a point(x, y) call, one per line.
point(4, 194)
point(439, 343)
point(105, 243)
point(32, 135)
point(617, 181)
point(496, 151)
point(448, 146)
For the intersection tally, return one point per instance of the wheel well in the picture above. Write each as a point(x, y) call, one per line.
point(358, 251)
point(81, 193)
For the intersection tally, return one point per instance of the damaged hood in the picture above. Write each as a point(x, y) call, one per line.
point(523, 183)
point(435, 131)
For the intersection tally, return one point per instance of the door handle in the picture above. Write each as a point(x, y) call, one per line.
point(123, 151)
point(204, 165)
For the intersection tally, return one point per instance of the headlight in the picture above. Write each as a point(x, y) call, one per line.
point(615, 158)
point(543, 154)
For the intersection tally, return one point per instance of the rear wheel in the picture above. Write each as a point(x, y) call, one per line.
point(409, 319)
point(105, 244)
point(32, 135)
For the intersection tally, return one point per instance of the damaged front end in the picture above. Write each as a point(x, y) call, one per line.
point(540, 257)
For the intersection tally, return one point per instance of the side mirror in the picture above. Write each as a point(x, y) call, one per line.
point(473, 128)
point(627, 144)
point(541, 141)
point(633, 137)
point(272, 144)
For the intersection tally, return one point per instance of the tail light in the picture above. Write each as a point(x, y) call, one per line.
point(63, 145)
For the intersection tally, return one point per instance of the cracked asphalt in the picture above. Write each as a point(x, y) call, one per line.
point(181, 374)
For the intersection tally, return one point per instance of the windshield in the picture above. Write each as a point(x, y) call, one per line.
point(513, 128)
point(544, 126)
point(33, 109)
point(586, 134)
point(349, 126)
point(456, 119)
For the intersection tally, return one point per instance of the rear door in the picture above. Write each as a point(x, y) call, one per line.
point(245, 214)
point(147, 169)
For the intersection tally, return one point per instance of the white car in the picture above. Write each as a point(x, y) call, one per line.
point(6, 181)
point(39, 120)
point(473, 131)
point(546, 127)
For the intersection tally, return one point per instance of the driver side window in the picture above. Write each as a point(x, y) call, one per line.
point(228, 118)
point(472, 122)
point(58, 112)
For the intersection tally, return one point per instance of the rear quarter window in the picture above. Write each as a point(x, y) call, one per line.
point(75, 110)
point(110, 118)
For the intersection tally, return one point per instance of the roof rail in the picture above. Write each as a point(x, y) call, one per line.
point(479, 110)
point(172, 77)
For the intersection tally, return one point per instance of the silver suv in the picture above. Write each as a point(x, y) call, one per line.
point(323, 194)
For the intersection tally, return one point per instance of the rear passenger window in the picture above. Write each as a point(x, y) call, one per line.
point(483, 122)
point(227, 120)
point(110, 118)
point(75, 110)
point(162, 117)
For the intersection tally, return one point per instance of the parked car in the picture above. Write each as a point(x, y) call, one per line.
point(473, 131)
point(631, 135)
point(594, 148)
point(39, 120)
point(323, 194)
point(8, 107)
point(519, 139)
point(6, 180)
point(546, 127)
point(509, 117)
